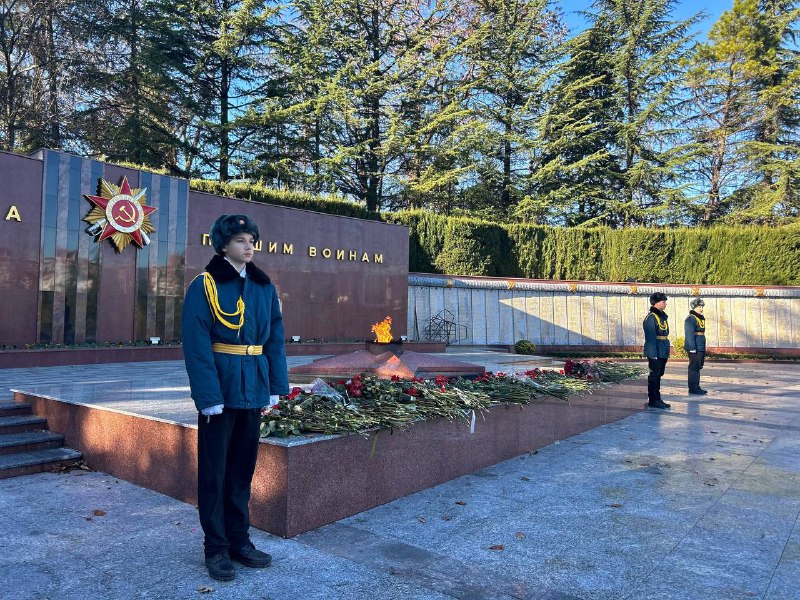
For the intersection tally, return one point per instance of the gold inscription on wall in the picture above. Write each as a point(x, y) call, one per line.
point(13, 214)
point(312, 251)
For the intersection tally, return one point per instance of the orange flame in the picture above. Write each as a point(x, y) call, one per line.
point(383, 331)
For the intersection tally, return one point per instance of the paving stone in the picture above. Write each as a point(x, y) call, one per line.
point(697, 502)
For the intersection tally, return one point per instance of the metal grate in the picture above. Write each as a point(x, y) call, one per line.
point(444, 328)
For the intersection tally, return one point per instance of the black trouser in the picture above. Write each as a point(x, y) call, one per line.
point(696, 360)
point(227, 447)
point(657, 366)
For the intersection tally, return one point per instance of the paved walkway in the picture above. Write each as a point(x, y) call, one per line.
point(698, 502)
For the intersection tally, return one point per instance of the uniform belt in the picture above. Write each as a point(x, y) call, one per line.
point(662, 337)
point(699, 332)
point(237, 349)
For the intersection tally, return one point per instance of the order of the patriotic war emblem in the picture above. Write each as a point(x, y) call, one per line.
point(120, 214)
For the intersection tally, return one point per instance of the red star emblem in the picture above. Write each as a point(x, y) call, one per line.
point(125, 213)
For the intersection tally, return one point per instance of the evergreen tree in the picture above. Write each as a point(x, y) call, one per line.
point(130, 82)
point(577, 179)
point(645, 49)
point(435, 133)
point(230, 63)
point(515, 47)
point(367, 64)
point(721, 103)
point(773, 152)
point(23, 72)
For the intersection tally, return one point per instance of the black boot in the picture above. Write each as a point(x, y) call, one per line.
point(698, 392)
point(659, 404)
point(220, 567)
point(249, 556)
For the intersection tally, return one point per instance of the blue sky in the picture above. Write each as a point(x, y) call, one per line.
point(712, 8)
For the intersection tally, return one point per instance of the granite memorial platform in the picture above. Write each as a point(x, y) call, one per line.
point(300, 482)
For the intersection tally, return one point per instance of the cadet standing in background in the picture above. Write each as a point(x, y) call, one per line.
point(656, 347)
point(695, 343)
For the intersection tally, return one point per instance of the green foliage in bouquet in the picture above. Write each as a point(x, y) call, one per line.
point(365, 402)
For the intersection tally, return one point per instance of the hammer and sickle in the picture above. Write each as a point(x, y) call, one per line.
point(129, 218)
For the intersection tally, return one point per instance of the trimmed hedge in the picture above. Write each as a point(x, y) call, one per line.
point(258, 192)
point(464, 246)
point(716, 256)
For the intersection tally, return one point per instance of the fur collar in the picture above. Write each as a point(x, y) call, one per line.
point(698, 315)
point(653, 309)
point(221, 270)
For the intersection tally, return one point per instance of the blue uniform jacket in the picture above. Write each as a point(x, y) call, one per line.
point(653, 346)
point(695, 323)
point(237, 381)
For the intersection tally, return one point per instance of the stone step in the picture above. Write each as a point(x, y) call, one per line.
point(9, 408)
point(37, 461)
point(27, 441)
point(18, 423)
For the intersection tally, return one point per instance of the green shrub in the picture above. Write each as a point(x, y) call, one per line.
point(677, 348)
point(524, 347)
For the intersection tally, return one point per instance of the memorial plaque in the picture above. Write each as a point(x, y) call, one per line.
point(478, 325)
point(450, 298)
point(574, 319)
point(784, 328)
point(506, 316)
point(616, 336)
point(335, 275)
point(436, 306)
point(723, 316)
point(769, 333)
point(560, 319)
point(739, 324)
point(592, 328)
point(534, 319)
point(464, 315)
point(493, 317)
point(631, 326)
point(547, 318)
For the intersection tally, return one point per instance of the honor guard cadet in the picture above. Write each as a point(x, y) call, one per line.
point(656, 347)
point(233, 346)
point(695, 343)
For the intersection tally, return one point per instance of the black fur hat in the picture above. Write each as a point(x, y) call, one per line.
point(227, 226)
point(657, 297)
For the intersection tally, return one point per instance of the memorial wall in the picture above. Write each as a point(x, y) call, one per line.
point(336, 276)
point(564, 315)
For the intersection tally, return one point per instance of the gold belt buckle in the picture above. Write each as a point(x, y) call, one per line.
point(250, 350)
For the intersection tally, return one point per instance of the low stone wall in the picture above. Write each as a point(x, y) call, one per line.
point(306, 482)
point(605, 316)
point(56, 357)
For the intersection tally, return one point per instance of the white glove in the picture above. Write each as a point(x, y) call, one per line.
point(273, 401)
point(213, 410)
point(692, 351)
